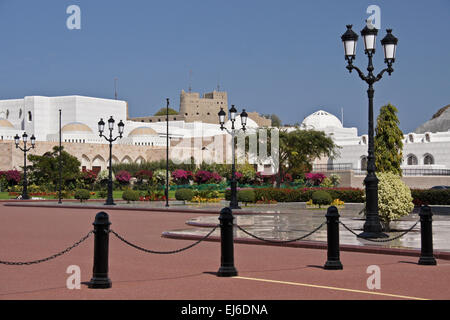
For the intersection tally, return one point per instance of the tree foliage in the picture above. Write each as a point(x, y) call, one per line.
point(299, 148)
point(45, 169)
point(163, 112)
point(276, 121)
point(388, 141)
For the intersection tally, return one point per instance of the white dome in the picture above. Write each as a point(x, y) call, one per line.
point(321, 120)
point(76, 127)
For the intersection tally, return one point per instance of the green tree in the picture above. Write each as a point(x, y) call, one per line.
point(276, 121)
point(163, 112)
point(45, 169)
point(299, 148)
point(388, 141)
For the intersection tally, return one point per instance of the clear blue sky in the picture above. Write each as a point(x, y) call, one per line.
point(282, 57)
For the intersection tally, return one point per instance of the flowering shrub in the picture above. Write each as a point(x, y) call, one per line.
point(104, 175)
point(123, 177)
point(89, 176)
point(144, 175)
point(180, 176)
point(314, 179)
point(13, 177)
point(238, 176)
point(394, 198)
point(207, 177)
point(199, 199)
point(159, 176)
point(338, 203)
point(335, 179)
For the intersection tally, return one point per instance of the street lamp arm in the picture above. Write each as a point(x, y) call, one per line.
point(25, 149)
point(116, 138)
point(389, 70)
point(350, 67)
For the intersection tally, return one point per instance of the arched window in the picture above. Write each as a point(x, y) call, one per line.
point(412, 160)
point(428, 159)
point(364, 163)
point(30, 116)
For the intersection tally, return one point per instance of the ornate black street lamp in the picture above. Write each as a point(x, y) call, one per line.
point(167, 154)
point(101, 128)
point(59, 161)
point(234, 202)
point(372, 226)
point(25, 195)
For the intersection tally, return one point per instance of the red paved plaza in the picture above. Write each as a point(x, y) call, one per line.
point(265, 272)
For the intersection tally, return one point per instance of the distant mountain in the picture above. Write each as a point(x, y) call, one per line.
point(440, 122)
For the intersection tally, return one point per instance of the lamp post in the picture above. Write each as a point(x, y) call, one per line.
point(59, 161)
point(234, 202)
point(167, 154)
point(101, 128)
point(372, 226)
point(25, 195)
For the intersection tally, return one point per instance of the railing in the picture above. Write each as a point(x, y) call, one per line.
point(332, 167)
point(413, 172)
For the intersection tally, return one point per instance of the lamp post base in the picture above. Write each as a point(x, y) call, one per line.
point(373, 235)
point(100, 283)
point(227, 272)
point(234, 206)
point(333, 265)
point(427, 261)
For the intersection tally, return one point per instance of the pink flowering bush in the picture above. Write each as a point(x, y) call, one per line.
point(181, 176)
point(123, 177)
point(144, 175)
point(13, 177)
point(314, 179)
point(207, 177)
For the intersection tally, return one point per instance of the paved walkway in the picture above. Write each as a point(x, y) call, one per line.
point(265, 272)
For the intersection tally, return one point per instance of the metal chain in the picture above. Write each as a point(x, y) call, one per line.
point(162, 252)
point(10, 263)
point(381, 240)
point(280, 241)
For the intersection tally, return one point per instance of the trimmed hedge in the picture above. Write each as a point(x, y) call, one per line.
point(184, 194)
point(82, 194)
point(321, 198)
point(130, 195)
point(246, 196)
point(348, 195)
point(430, 197)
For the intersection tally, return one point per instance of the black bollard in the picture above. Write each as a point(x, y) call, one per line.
point(100, 278)
point(227, 268)
point(333, 262)
point(426, 234)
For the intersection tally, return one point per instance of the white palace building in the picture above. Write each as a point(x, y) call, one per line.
point(426, 151)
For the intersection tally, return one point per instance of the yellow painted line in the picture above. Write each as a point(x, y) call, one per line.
point(330, 288)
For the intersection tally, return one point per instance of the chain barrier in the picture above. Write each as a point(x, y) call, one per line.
point(380, 240)
point(10, 263)
point(162, 252)
point(281, 241)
